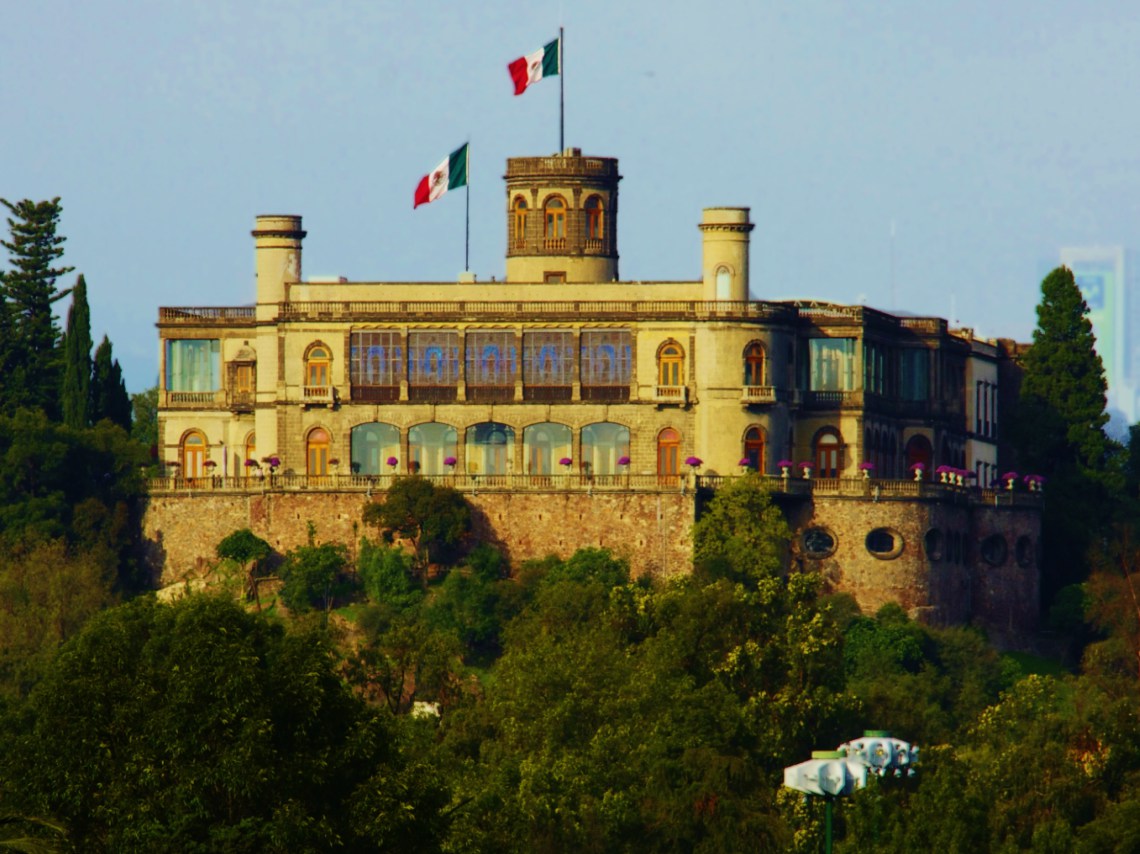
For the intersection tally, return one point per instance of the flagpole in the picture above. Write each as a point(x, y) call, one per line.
point(561, 94)
point(467, 227)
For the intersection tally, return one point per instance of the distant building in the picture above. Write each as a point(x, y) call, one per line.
point(1101, 273)
point(494, 384)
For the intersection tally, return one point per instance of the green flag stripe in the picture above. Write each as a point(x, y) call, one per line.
point(457, 168)
point(550, 59)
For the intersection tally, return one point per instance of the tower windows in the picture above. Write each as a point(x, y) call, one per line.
point(828, 453)
point(518, 222)
point(317, 451)
point(595, 223)
point(754, 446)
point(555, 219)
point(317, 367)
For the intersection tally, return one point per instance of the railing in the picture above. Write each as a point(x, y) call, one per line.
point(830, 398)
point(671, 393)
point(317, 394)
point(547, 392)
point(554, 244)
point(605, 392)
point(209, 315)
point(402, 311)
point(375, 393)
point(190, 399)
point(593, 245)
point(560, 165)
point(875, 489)
point(758, 394)
point(490, 392)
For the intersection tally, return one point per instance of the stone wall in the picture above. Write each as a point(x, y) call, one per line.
point(651, 530)
point(940, 572)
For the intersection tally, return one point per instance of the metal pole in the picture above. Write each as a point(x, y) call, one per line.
point(827, 808)
point(467, 228)
point(561, 94)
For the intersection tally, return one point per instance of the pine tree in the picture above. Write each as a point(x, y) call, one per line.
point(28, 290)
point(1064, 385)
point(109, 398)
point(1059, 429)
point(75, 397)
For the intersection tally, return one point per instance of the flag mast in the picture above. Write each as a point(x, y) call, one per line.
point(467, 227)
point(561, 94)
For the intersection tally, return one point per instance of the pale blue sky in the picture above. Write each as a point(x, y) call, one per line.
point(991, 134)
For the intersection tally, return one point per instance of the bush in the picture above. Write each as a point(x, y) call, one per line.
point(386, 574)
point(314, 577)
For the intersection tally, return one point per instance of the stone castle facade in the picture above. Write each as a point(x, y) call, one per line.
point(563, 381)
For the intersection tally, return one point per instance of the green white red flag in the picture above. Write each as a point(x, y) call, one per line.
point(448, 175)
point(528, 70)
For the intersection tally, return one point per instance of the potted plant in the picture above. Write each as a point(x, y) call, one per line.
point(866, 468)
point(450, 463)
point(805, 469)
point(566, 462)
point(694, 463)
point(918, 469)
point(1010, 478)
point(785, 467)
point(745, 465)
point(392, 463)
point(623, 461)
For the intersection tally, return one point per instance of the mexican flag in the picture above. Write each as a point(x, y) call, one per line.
point(448, 175)
point(527, 70)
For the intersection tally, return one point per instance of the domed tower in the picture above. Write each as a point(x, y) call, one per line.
point(562, 218)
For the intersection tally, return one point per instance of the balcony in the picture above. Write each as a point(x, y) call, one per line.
point(318, 395)
point(241, 401)
point(191, 399)
point(757, 394)
point(675, 395)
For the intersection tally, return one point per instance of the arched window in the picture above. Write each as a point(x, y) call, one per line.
point(490, 448)
point(372, 444)
point(555, 218)
point(670, 363)
point(429, 445)
point(317, 451)
point(249, 451)
point(518, 224)
point(828, 453)
point(754, 447)
point(668, 453)
point(193, 454)
point(544, 445)
point(918, 450)
point(603, 444)
point(723, 283)
point(755, 364)
point(317, 367)
point(594, 221)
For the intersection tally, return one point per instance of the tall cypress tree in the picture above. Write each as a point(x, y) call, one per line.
point(28, 290)
point(75, 397)
point(109, 398)
point(1059, 428)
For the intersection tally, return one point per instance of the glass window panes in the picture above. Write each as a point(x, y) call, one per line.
point(915, 374)
point(376, 358)
point(193, 365)
point(603, 444)
point(548, 357)
point(429, 445)
point(372, 445)
point(492, 358)
point(832, 364)
point(490, 448)
point(433, 358)
point(544, 445)
point(606, 357)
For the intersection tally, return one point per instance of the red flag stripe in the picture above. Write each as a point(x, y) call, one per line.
point(518, 70)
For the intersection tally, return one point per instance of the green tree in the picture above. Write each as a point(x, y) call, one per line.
point(434, 519)
point(740, 533)
point(144, 420)
point(1059, 428)
point(314, 576)
point(75, 397)
point(31, 376)
point(199, 726)
point(109, 397)
point(249, 551)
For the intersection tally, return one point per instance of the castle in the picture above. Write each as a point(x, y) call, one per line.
point(562, 385)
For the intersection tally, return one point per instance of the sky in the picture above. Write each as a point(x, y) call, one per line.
point(927, 157)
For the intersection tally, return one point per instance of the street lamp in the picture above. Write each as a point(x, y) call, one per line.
point(832, 773)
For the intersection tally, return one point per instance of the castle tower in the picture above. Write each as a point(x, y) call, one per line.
point(562, 218)
point(724, 239)
point(277, 252)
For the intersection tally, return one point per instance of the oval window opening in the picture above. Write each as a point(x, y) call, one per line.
point(1023, 552)
point(884, 543)
point(818, 542)
point(933, 544)
point(994, 550)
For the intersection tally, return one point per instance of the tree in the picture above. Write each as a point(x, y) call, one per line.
point(435, 519)
point(75, 396)
point(144, 420)
point(108, 392)
point(199, 726)
point(1059, 428)
point(247, 550)
point(28, 290)
point(314, 575)
point(1064, 384)
point(740, 533)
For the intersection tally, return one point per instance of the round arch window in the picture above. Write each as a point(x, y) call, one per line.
point(994, 550)
point(884, 543)
point(1023, 552)
point(818, 542)
point(933, 543)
